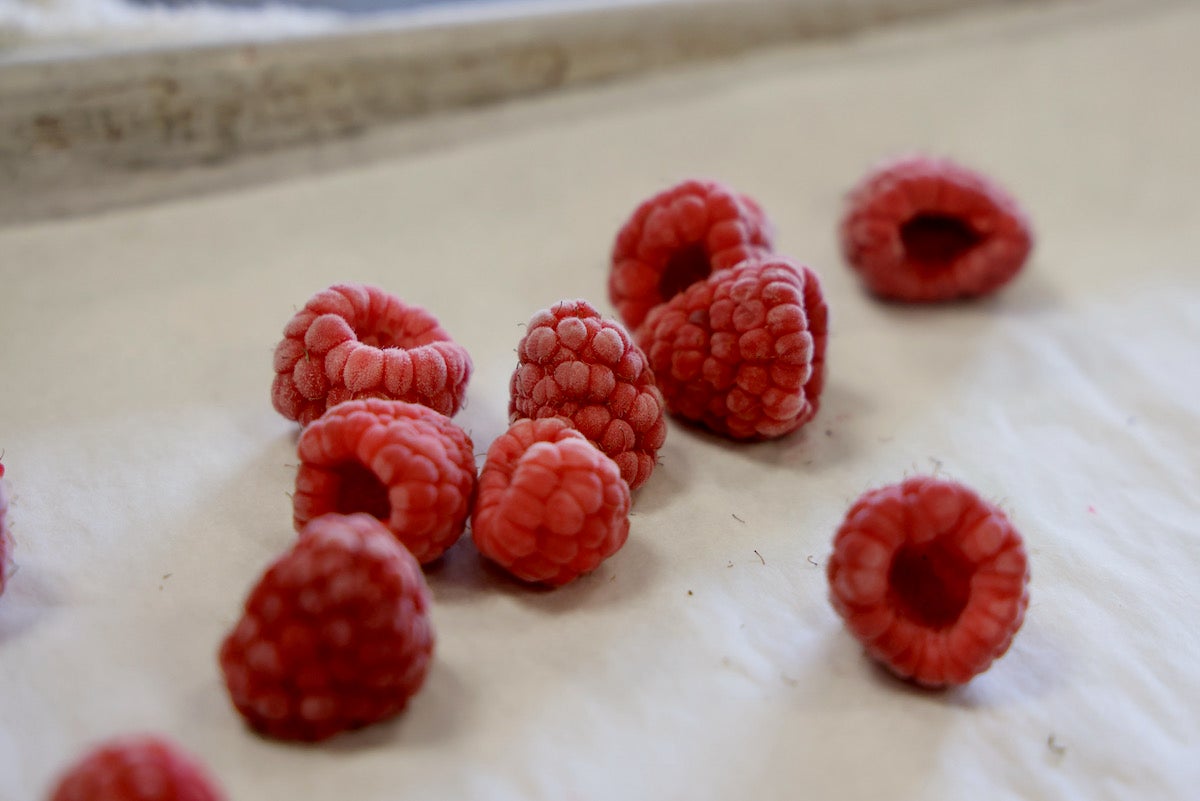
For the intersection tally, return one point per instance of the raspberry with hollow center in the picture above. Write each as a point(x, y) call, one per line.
point(403, 463)
point(743, 352)
point(355, 341)
point(551, 506)
point(678, 237)
point(920, 229)
point(335, 636)
point(574, 363)
point(136, 768)
point(932, 579)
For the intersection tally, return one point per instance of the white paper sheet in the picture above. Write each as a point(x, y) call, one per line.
point(149, 473)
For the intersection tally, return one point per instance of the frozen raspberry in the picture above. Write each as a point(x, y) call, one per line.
point(137, 768)
point(353, 341)
point(404, 463)
point(742, 352)
point(921, 229)
point(574, 363)
point(335, 636)
point(932, 579)
point(678, 237)
point(551, 506)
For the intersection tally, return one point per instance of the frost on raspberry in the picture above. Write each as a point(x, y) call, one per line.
point(335, 636)
point(931, 578)
point(743, 352)
point(574, 363)
point(678, 237)
point(551, 506)
point(354, 341)
point(403, 463)
point(921, 229)
point(137, 768)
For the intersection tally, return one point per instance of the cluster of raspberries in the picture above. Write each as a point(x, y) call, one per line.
point(336, 634)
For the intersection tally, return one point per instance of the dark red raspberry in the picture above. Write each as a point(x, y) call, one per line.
point(404, 463)
point(137, 768)
point(678, 237)
point(742, 352)
point(931, 578)
point(551, 506)
point(335, 636)
point(354, 341)
point(576, 364)
point(921, 229)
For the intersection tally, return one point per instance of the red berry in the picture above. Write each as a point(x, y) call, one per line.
point(931, 578)
point(574, 363)
point(551, 506)
point(742, 352)
point(678, 237)
point(354, 341)
point(405, 464)
point(335, 636)
point(137, 768)
point(921, 229)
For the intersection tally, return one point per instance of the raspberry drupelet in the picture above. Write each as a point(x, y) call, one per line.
point(742, 352)
point(136, 768)
point(335, 636)
point(551, 506)
point(920, 229)
point(574, 363)
point(355, 341)
point(932, 579)
point(678, 237)
point(407, 465)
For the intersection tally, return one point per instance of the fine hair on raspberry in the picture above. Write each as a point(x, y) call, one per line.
point(551, 506)
point(931, 578)
point(678, 237)
point(356, 341)
point(575, 363)
point(403, 463)
point(136, 767)
point(920, 229)
point(335, 636)
point(743, 351)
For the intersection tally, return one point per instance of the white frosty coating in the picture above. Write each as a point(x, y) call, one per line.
point(119, 22)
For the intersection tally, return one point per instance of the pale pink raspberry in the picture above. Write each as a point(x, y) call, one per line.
point(355, 341)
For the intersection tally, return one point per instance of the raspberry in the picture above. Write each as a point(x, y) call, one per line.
point(551, 505)
point(932, 579)
point(355, 341)
point(335, 636)
point(921, 229)
point(137, 768)
point(679, 237)
point(574, 363)
point(742, 352)
point(405, 464)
